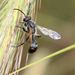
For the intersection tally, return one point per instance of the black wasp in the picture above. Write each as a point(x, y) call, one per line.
point(31, 28)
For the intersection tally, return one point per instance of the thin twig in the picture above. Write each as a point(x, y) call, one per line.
point(69, 48)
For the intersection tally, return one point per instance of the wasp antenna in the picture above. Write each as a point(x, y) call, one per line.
point(20, 11)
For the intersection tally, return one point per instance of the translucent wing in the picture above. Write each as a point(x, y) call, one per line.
point(48, 32)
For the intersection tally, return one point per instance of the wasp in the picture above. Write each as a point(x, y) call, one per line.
point(30, 27)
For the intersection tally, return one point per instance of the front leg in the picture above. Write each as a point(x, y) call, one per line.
point(22, 28)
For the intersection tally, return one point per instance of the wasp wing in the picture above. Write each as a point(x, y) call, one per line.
point(48, 32)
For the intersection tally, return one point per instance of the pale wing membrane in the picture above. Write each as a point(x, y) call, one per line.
point(48, 32)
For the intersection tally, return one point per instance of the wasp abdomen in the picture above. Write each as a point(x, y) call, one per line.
point(32, 49)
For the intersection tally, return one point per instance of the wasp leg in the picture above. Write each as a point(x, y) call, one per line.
point(21, 22)
point(27, 38)
point(18, 45)
point(37, 35)
point(21, 43)
point(22, 28)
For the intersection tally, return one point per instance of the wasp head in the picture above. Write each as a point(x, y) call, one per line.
point(27, 18)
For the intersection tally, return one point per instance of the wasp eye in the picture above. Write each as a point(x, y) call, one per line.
point(24, 19)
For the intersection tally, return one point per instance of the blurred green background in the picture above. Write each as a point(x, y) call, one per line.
point(58, 15)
